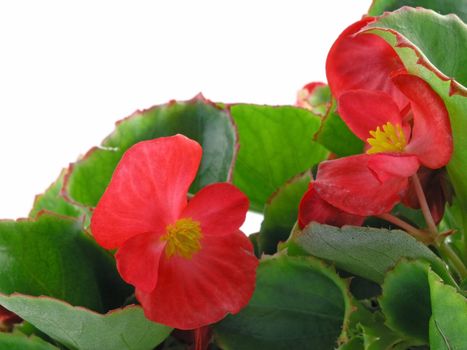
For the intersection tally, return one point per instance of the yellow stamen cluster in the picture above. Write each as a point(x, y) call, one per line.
point(390, 139)
point(183, 238)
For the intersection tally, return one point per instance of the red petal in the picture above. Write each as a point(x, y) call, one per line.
point(365, 110)
point(352, 186)
point(217, 207)
point(147, 191)
point(390, 165)
point(138, 261)
point(431, 133)
point(220, 279)
point(313, 208)
point(363, 61)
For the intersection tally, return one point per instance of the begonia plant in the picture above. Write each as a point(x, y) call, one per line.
point(363, 190)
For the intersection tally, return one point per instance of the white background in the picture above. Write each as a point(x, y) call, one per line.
point(70, 69)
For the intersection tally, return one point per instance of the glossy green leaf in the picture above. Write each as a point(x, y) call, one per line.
point(364, 251)
point(18, 341)
point(79, 328)
point(280, 213)
point(458, 7)
point(433, 47)
point(406, 300)
point(442, 39)
point(52, 200)
point(336, 136)
point(448, 322)
point(298, 304)
point(275, 145)
point(198, 119)
point(52, 256)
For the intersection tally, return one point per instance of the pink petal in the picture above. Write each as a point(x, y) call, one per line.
point(314, 208)
point(363, 61)
point(220, 208)
point(138, 261)
point(220, 279)
point(365, 110)
point(147, 191)
point(431, 134)
point(351, 185)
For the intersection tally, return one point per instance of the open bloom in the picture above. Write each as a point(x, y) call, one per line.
point(401, 119)
point(397, 143)
point(188, 260)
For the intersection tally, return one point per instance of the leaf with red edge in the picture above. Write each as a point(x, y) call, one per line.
point(198, 119)
point(378, 7)
point(52, 200)
point(80, 328)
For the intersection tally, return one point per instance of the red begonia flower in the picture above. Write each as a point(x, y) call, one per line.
point(313, 208)
point(363, 61)
point(372, 184)
point(188, 261)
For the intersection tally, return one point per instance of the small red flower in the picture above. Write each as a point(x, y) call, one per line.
point(189, 262)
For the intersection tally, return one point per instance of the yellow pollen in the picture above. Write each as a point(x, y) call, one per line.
point(390, 139)
point(183, 238)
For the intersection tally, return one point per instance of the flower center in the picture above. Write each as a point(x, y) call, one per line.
point(390, 139)
point(183, 238)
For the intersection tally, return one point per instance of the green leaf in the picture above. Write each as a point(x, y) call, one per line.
point(433, 47)
point(459, 7)
point(364, 251)
point(18, 341)
point(298, 304)
point(78, 328)
point(442, 39)
point(448, 322)
point(275, 145)
point(336, 136)
point(52, 256)
point(280, 213)
point(52, 200)
point(406, 300)
point(198, 119)
point(354, 344)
